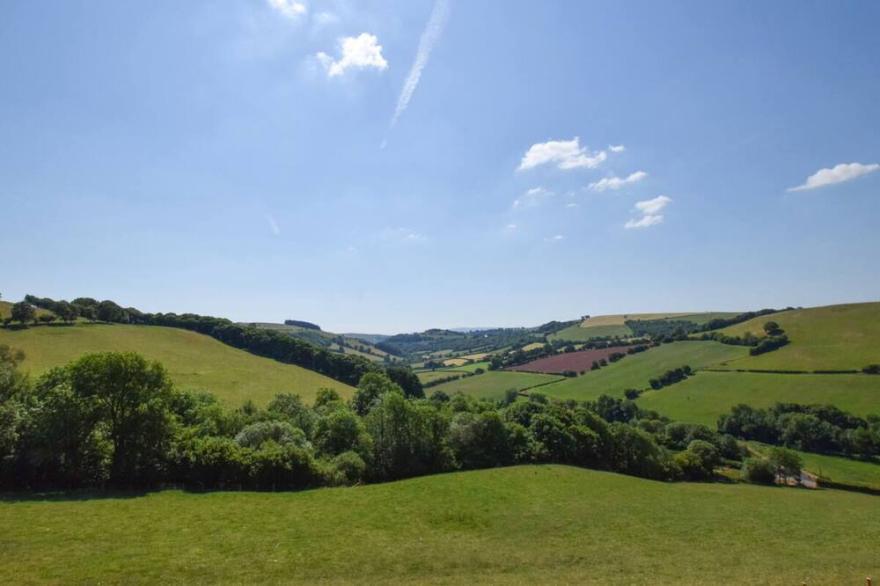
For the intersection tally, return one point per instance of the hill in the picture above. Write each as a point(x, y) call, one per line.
point(705, 396)
point(491, 526)
point(6, 310)
point(493, 384)
point(340, 343)
point(835, 337)
point(603, 326)
point(634, 372)
point(193, 360)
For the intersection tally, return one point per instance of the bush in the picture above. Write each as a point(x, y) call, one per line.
point(872, 369)
point(759, 471)
point(769, 345)
point(346, 469)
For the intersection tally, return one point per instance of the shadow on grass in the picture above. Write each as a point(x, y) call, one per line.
point(72, 495)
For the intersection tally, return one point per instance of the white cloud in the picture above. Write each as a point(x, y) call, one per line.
point(571, 204)
point(556, 238)
point(288, 8)
point(650, 210)
point(429, 38)
point(532, 198)
point(511, 226)
point(615, 183)
point(565, 154)
point(273, 225)
point(643, 222)
point(616, 148)
point(360, 52)
point(837, 174)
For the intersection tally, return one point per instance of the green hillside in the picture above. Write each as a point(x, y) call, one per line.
point(705, 396)
point(634, 372)
point(6, 310)
point(836, 337)
point(493, 385)
point(194, 361)
point(857, 473)
point(530, 524)
point(602, 326)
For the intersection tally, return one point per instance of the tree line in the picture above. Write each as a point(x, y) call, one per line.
point(116, 420)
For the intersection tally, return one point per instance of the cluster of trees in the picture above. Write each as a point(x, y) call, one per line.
point(670, 377)
point(769, 345)
point(779, 465)
point(872, 369)
point(809, 428)
point(115, 419)
point(663, 329)
point(302, 324)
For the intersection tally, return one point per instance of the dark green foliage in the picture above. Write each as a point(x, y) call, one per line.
point(771, 328)
point(769, 345)
point(23, 312)
point(404, 377)
point(759, 471)
point(872, 369)
point(670, 377)
point(302, 324)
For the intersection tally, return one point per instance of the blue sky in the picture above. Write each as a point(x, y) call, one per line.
point(547, 159)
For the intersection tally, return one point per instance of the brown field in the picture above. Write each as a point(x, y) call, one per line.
point(576, 361)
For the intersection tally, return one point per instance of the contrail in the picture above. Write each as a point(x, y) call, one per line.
point(430, 36)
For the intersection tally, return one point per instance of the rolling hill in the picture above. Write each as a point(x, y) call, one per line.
point(528, 524)
point(194, 361)
point(602, 326)
point(493, 384)
point(835, 337)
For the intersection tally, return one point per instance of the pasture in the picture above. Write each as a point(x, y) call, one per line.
point(855, 473)
point(634, 371)
point(490, 526)
point(836, 337)
point(195, 362)
point(705, 396)
point(493, 384)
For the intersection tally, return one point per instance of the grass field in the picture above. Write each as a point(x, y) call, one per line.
point(576, 333)
point(634, 372)
point(836, 337)
point(493, 385)
point(857, 473)
point(702, 398)
point(601, 326)
point(427, 376)
point(529, 524)
point(194, 361)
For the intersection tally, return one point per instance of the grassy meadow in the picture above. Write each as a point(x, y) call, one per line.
point(705, 396)
point(535, 524)
point(634, 372)
point(493, 384)
point(837, 337)
point(194, 361)
point(857, 473)
point(615, 325)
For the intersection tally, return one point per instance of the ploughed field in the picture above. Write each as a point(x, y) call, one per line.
point(538, 524)
point(578, 361)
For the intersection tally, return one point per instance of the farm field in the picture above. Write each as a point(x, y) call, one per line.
point(493, 384)
point(490, 526)
point(578, 361)
point(194, 361)
point(577, 333)
point(427, 376)
point(857, 473)
point(615, 325)
point(837, 337)
point(634, 371)
point(705, 396)
point(473, 366)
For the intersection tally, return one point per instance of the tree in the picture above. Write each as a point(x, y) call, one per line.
point(786, 463)
point(370, 388)
point(132, 399)
point(292, 408)
point(23, 312)
point(771, 328)
point(407, 380)
point(759, 470)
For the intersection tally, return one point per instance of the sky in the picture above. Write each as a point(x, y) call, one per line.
point(392, 166)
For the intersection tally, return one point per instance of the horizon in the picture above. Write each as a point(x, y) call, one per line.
point(388, 167)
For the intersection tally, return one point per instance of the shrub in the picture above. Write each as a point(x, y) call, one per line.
point(872, 369)
point(759, 471)
point(346, 469)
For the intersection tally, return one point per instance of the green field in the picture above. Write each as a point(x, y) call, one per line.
point(427, 376)
point(702, 398)
point(493, 385)
point(634, 372)
point(529, 524)
point(194, 361)
point(614, 325)
point(857, 473)
point(837, 337)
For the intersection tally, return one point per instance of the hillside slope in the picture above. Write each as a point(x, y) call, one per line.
point(529, 524)
point(601, 326)
point(194, 361)
point(836, 337)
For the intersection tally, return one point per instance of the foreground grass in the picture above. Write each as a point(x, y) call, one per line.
point(540, 524)
point(194, 361)
point(634, 372)
point(493, 384)
point(705, 396)
point(837, 337)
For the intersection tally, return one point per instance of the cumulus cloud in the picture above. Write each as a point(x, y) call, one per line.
point(565, 154)
point(837, 174)
point(288, 8)
point(616, 148)
point(615, 183)
point(532, 198)
point(650, 210)
point(429, 38)
point(360, 52)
